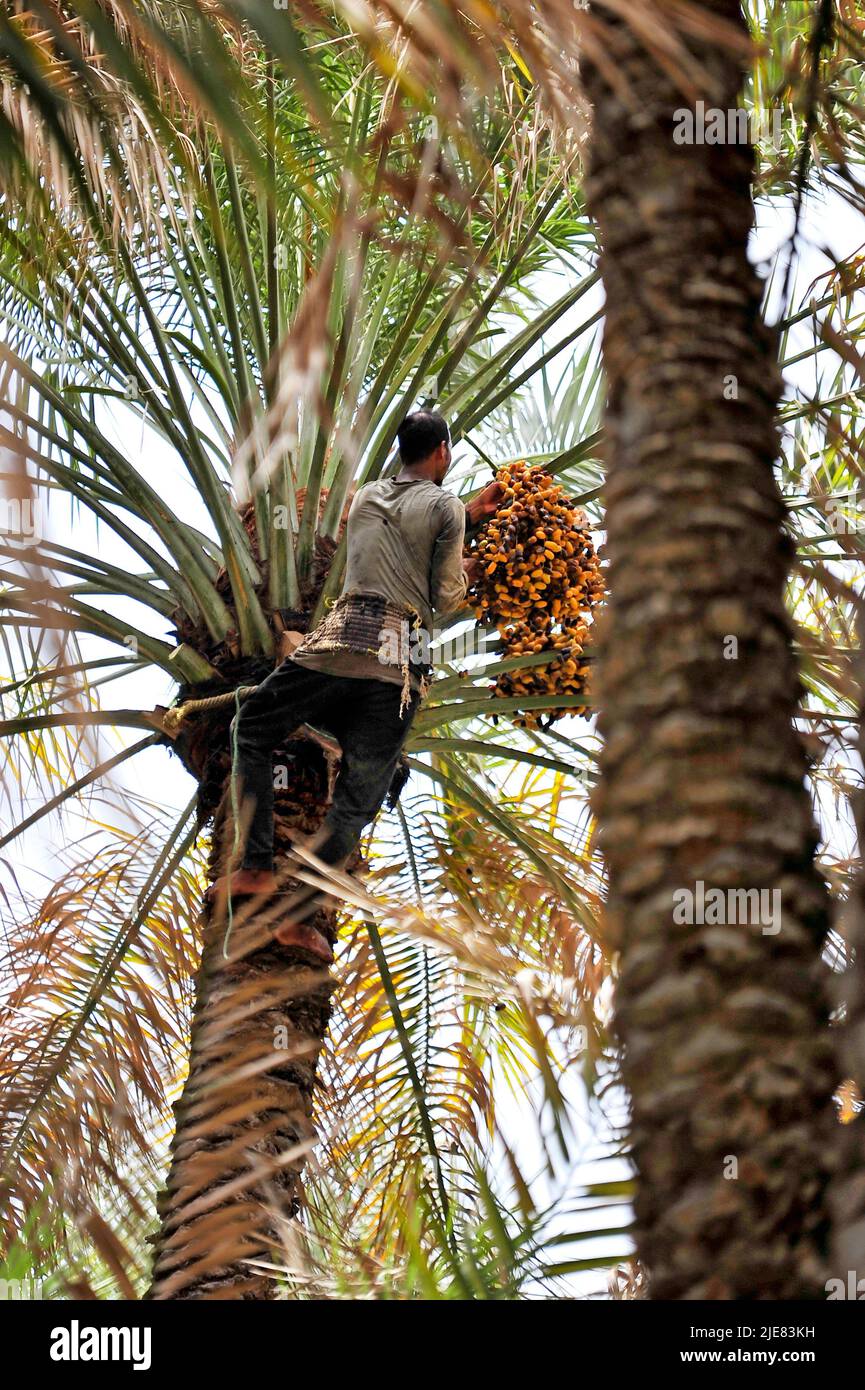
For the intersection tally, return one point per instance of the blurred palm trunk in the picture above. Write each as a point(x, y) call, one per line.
point(244, 1121)
point(723, 1022)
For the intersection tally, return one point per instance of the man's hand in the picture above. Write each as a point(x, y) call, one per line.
point(485, 504)
point(471, 569)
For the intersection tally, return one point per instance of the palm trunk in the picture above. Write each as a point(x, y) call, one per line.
point(723, 1022)
point(244, 1121)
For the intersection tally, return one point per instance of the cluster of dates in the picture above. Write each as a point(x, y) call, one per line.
point(539, 581)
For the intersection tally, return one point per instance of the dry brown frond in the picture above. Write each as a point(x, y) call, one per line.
point(94, 1004)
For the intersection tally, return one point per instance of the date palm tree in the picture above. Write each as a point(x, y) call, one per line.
point(273, 305)
point(723, 1017)
point(180, 275)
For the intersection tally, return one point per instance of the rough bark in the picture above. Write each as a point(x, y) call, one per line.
point(244, 1121)
point(724, 1026)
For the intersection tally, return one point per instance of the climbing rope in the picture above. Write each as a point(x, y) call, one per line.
point(174, 717)
point(172, 721)
point(235, 807)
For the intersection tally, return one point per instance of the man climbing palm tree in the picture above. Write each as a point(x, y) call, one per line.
point(354, 675)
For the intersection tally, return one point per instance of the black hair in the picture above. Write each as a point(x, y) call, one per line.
point(419, 434)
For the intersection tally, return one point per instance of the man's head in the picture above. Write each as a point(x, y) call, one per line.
point(425, 444)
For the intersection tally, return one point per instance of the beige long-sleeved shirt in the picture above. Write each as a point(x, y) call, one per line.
point(405, 545)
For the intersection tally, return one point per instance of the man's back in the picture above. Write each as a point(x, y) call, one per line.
point(405, 539)
point(405, 543)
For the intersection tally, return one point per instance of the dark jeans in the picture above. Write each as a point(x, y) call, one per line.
point(363, 715)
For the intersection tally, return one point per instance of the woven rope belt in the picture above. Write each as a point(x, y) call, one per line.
point(370, 625)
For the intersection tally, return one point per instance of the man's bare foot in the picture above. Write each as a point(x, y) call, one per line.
point(303, 937)
point(251, 883)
